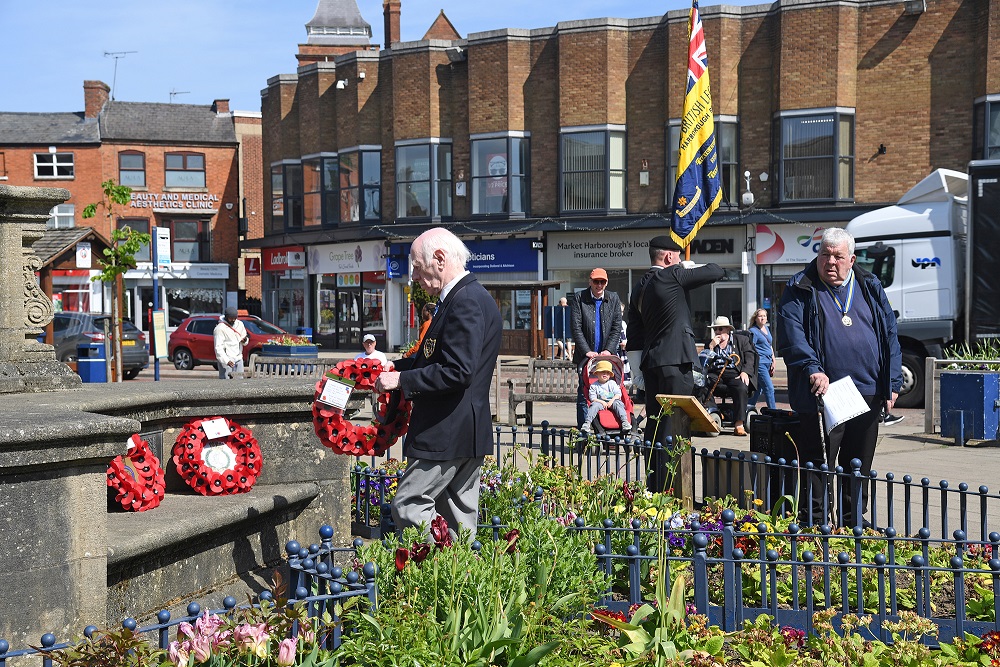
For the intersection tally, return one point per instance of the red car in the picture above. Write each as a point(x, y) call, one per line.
point(192, 342)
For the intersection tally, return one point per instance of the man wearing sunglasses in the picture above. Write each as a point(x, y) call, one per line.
point(596, 326)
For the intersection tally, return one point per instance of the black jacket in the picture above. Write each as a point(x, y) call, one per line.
point(449, 378)
point(659, 320)
point(583, 313)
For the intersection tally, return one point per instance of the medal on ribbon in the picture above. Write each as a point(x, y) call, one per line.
point(846, 305)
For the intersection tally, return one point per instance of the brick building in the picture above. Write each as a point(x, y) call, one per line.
point(553, 150)
point(193, 169)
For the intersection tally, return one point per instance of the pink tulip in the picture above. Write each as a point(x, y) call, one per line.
point(286, 652)
point(207, 625)
point(178, 653)
point(185, 629)
point(202, 648)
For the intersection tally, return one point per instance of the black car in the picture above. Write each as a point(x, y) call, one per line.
point(74, 329)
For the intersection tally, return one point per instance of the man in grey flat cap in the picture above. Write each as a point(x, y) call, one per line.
point(659, 326)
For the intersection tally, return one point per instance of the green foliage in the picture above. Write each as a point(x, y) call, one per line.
point(126, 242)
point(985, 350)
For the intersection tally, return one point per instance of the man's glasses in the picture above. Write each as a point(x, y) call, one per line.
point(599, 282)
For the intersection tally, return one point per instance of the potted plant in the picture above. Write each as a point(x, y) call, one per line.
point(287, 345)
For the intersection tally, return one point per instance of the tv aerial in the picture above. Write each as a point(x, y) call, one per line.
point(117, 55)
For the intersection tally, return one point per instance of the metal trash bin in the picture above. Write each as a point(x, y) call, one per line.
point(969, 406)
point(305, 332)
point(91, 363)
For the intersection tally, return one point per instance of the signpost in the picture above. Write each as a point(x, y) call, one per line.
point(161, 258)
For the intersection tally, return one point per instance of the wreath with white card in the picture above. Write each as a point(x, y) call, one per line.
point(216, 456)
point(137, 477)
point(335, 431)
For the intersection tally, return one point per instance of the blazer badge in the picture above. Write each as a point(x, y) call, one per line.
point(429, 346)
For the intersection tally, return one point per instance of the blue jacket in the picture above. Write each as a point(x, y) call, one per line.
point(800, 335)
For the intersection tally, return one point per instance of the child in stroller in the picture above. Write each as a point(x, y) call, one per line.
point(609, 407)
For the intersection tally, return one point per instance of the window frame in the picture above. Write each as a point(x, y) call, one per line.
point(516, 143)
point(730, 186)
point(61, 211)
point(440, 194)
point(142, 225)
point(835, 115)
point(55, 166)
point(365, 192)
point(131, 170)
point(202, 239)
point(186, 156)
point(327, 190)
point(983, 110)
point(609, 131)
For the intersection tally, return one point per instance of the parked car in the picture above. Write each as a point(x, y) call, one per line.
point(71, 329)
point(192, 342)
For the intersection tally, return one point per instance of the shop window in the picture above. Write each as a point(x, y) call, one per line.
point(726, 136)
point(816, 155)
point(592, 170)
point(54, 165)
point(500, 175)
point(140, 225)
point(423, 179)
point(986, 128)
point(184, 170)
point(360, 178)
point(187, 300)
point(132, 169)
point(62, 216)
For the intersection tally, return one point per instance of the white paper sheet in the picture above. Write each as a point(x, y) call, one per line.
point(216, 428)
point(336, 392)
point(842, 402)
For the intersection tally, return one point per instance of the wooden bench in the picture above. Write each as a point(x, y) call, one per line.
point(306, 368)
point(548, 380)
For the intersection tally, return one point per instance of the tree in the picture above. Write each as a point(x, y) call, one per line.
point(117, 259)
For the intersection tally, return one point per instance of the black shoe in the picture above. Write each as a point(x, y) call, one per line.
point(891, 419)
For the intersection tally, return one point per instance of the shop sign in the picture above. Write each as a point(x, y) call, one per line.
point(787, 244)
point(356, 257)
point(281, 259)
point(502, 256)
point(348, 280)
point(83, 256)
point(189, 200)
point(630, 249)
point(251, 266)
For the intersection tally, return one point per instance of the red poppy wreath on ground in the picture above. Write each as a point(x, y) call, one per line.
point(137, 477)
point(345, 437)
point(217, 466)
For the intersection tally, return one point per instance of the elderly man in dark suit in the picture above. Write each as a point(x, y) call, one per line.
point(661, 334)
point(596, 326)
point(448, 380)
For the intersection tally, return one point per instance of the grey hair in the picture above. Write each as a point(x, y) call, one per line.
point(835, 236)
point(440, 238)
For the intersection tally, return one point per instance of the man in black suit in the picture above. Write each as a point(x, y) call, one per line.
point(596, 326)
point(448, 380)
point(659, 327)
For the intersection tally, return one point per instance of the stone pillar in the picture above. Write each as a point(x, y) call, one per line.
point(26, 364)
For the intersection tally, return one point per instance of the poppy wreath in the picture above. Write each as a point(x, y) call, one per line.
point(137, 477)
point(345, 437)
point(217, 467)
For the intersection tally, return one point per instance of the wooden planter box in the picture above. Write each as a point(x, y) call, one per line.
point(289, 351)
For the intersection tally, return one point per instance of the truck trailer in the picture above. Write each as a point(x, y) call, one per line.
point(937, 253)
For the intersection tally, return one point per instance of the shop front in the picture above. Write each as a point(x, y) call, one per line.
point(350, 294)
point(283, 287)
point(624, 254)
point(186, 288)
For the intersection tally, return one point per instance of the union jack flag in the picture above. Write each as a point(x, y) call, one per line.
point(698, 190)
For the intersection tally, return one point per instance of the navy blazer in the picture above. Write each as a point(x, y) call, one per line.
point(448, 379)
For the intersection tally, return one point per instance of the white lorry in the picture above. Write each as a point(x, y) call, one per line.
point(939, 272)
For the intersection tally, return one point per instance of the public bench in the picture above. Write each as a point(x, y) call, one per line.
point(304, 367)
point(548, 380)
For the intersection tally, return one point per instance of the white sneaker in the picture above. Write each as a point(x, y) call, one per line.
point(586, 428)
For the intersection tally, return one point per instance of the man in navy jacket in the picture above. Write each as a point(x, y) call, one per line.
point(594, 331)
point(835, 321)
point(448, 380)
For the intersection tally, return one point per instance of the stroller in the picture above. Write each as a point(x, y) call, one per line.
point(606, 423)
point(707, 388)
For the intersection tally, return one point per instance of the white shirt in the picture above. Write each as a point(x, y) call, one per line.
point(447, 288)
point(377, 356)
point(229, 341)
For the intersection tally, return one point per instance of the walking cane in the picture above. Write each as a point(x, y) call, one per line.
point(831, 460)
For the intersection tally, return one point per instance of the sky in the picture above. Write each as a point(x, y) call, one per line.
point(202, 50)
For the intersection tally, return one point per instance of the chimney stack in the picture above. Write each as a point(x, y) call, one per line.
point(220, 106)
point(95, 96)
point(391, 10)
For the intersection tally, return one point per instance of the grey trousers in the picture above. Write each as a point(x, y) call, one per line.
point(449, 488)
